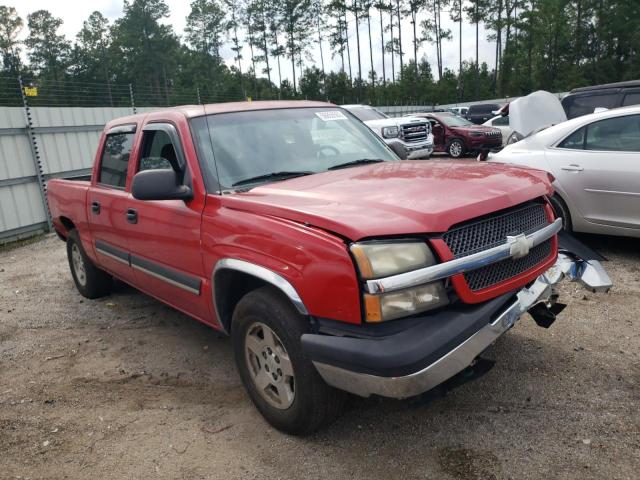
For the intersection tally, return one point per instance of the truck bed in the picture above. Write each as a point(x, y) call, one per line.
point(68, 202)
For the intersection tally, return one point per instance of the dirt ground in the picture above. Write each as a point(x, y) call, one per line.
point(124, 387)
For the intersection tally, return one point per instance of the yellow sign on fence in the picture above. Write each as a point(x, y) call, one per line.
point(31, 91)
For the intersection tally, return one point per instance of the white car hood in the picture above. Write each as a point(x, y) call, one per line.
point(536, 110)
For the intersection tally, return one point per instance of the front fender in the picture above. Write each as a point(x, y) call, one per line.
point(314, 263)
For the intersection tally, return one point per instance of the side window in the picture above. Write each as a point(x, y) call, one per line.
point(115, 159)
point(501, 122)
point(631, 99)
point(574, 141)
point(158, 151)
point(619, 134)
point(578, 106)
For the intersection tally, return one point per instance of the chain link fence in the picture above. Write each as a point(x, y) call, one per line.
point(72, 93)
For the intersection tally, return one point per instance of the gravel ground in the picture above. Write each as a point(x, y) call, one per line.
point(124, 387)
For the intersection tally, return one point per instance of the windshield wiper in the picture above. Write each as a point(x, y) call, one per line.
point(353, 163)
point(272, 176)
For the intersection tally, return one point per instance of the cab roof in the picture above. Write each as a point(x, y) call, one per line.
point(191, 111)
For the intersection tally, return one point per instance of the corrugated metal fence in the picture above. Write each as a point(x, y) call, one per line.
point(39, 144)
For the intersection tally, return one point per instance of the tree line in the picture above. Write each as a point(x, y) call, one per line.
point(539, 44)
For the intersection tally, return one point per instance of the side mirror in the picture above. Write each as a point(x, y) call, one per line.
point(162, 184)
point(399, 150)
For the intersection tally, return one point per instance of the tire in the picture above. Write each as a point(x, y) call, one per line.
point(90, 281)
point(297, 401)
point(456, 148)
point(562, 211)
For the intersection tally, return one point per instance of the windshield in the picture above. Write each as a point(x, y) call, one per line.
point(366, 114)
point(237, 148)
point(454, 121)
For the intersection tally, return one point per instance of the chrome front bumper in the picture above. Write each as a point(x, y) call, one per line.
point(588, 272)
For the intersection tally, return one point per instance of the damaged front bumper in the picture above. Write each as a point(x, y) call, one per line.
point(407, 363)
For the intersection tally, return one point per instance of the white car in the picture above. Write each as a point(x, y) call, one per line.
point(412, 134)
point(460, 111)
point(502, 124)
point(595, 160)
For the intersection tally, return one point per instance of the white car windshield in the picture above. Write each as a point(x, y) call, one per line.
point(258, 146)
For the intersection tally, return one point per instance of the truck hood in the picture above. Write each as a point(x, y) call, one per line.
point(394, 198)
point(393, 122)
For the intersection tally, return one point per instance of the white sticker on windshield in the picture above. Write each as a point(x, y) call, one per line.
point(331, 115)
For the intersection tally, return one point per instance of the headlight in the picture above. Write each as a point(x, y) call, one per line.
point(390, 132)
point(377, 259)
point(476, 134)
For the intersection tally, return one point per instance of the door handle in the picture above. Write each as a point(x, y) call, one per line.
point(132, 215)
point(95, 207)
point(572, 168)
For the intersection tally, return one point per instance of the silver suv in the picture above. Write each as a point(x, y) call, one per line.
point(413, 134)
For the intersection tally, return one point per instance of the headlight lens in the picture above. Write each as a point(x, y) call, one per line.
point(377, 260)
point(476, 134)
point(393, 305)
point(390, 132)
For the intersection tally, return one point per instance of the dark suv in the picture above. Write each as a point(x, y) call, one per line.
point(584, 100)
point(456, 136)
point(481, 112)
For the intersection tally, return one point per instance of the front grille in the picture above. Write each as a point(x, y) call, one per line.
point(493, 133)
point(489, 232)
point(505, 269)
point(414, 132)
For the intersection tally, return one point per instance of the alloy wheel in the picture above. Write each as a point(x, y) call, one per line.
point(78, 265)
point(269, 366)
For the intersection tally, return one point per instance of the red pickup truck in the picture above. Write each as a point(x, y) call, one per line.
point(333, 264)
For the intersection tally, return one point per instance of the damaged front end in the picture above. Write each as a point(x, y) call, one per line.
point(423, 356)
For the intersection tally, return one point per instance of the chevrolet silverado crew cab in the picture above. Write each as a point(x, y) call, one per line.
point(333, 265)
point(408, 136)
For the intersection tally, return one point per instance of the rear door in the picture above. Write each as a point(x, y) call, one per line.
point(599, 167)
point(165, 238)
point(107, 202)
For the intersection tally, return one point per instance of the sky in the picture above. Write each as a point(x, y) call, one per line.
point(73, 14)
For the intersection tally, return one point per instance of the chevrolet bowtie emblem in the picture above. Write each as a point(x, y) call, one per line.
point(520, 245)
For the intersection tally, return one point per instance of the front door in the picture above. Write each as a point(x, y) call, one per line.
point(438, 135)
point(165, 239)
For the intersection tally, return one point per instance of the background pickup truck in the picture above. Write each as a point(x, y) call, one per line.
point(333, 265)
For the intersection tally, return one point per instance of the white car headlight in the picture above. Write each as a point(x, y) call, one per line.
point(379, 259)
point(390, 132)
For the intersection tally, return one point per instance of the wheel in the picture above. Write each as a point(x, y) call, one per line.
point(455, 148)
point(562, 211)
point(281, 381)
point(90, 281)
